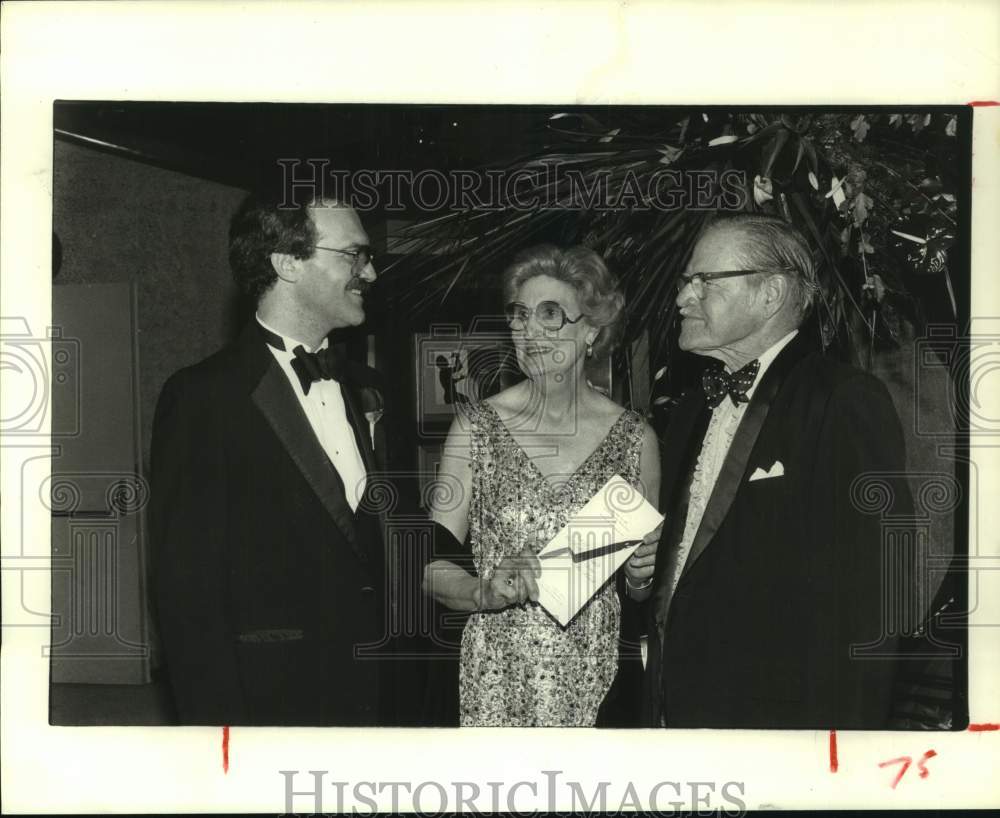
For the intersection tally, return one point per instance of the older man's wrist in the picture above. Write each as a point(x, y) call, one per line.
point(637, 586)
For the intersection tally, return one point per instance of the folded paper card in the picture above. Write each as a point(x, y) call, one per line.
point(595, 542)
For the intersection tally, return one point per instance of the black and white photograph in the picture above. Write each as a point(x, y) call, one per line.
point(427, 407)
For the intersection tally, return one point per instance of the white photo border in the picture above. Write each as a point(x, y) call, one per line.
point(515, 52)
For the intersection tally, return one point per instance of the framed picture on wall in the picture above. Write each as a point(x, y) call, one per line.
point(454, 368)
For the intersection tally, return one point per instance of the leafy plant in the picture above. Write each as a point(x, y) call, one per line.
point(874, 193)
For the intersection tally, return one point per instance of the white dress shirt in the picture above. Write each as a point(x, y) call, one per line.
point(327, 414)
point(719, 436)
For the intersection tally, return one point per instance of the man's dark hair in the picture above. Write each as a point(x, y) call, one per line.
point(770, 243)
point(260, 227)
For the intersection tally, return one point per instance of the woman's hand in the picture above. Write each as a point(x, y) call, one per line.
point(640, 567)
point(512, 582)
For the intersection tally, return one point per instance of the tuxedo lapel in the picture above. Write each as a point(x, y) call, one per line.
point(678, 445)
point(371, 511)
point(275, 399)
point(272, 394)
point(734, 467)
point(680, 449)
point(359, 423)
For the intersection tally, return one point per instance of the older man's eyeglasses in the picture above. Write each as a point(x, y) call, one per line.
point(549, 314)
point(360, 258)
point(698, 280)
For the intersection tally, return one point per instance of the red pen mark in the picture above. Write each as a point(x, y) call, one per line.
point(984, 103)
point(225, 749)
point(924, 772)
point(833, 751)
point(979, 728)
point(904, 760)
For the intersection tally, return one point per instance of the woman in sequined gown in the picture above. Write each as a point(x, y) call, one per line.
point(517, 466)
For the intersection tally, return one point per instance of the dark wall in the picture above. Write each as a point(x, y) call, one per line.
point(118, 221)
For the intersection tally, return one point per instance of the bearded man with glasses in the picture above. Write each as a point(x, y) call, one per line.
point(268, 561)
point(766, 608)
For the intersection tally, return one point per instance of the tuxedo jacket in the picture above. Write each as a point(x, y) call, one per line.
point(267, 584)
point(785, 574)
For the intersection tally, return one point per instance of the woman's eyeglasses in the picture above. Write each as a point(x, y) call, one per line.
point(360, 258)
point(549, 314)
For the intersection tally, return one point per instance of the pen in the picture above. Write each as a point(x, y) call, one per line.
point(593, 554)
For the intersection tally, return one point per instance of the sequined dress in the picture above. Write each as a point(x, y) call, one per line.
point(518, 666)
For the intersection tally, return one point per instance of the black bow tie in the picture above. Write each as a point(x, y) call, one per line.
point(324, 365)
point(718, 383)
point(316, 366)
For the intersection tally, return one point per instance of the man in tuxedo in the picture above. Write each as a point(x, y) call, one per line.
point(766, 604)
point(268, 563)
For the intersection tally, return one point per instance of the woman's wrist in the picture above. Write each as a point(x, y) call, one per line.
point(476, 593)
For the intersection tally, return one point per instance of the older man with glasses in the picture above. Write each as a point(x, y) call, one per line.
point(268, 562)
point(766, 607)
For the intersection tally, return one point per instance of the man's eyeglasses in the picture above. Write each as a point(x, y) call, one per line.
point(360, 258)
point(549, 314)
point(698, 280)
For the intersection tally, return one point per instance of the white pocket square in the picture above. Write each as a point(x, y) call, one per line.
point(777, 470)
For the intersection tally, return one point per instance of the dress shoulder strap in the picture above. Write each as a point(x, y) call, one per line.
point(633, 431)
point(479, 420)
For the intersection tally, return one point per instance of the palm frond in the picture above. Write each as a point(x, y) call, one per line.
point(800, 154)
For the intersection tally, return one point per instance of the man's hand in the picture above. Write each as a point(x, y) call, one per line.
point(640, 567)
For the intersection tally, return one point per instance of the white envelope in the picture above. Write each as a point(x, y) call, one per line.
point(581, 557)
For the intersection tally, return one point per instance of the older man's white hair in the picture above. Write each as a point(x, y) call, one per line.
point(771, 244)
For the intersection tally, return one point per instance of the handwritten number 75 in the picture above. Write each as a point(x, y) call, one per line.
point(906, 761)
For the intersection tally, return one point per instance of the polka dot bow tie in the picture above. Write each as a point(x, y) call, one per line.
point(717, 383)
